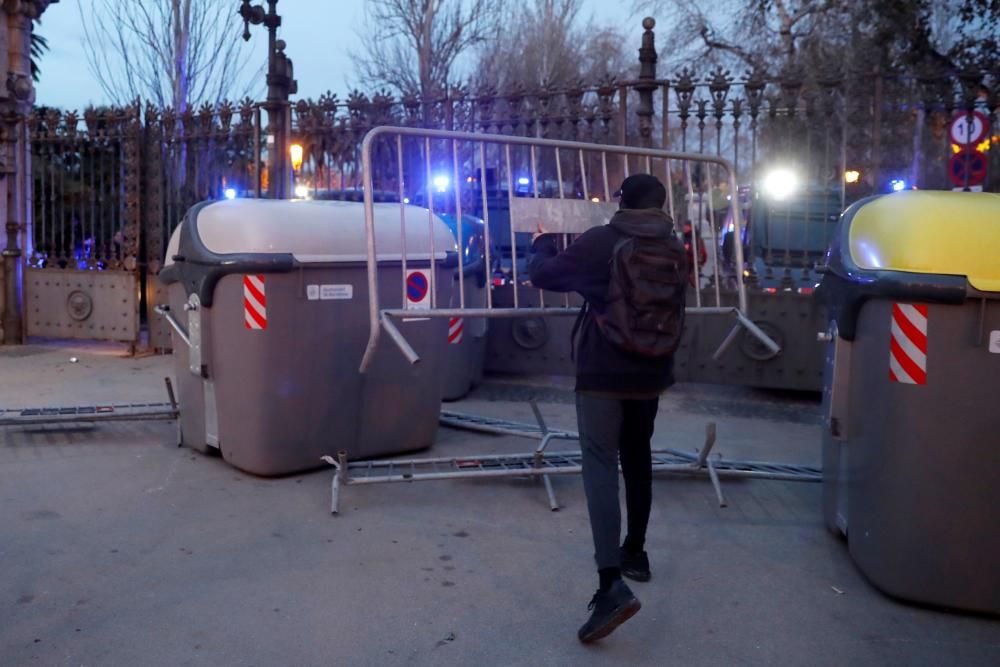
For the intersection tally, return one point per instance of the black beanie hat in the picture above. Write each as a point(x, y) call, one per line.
point(642, 191)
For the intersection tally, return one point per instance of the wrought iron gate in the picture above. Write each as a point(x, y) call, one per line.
point(108, 190)
point(82, 278)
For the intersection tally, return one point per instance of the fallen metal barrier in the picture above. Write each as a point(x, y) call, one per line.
point(113, 412)
point(542, 463)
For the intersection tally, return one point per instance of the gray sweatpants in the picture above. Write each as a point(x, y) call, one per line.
point(613, 428)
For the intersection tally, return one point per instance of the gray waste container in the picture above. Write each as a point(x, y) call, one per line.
point(274, 298)
point(911, 445)
point(467, 336)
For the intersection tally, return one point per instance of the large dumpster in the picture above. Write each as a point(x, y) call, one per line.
point(911, 445)
point(273, 296)
point(467, 336)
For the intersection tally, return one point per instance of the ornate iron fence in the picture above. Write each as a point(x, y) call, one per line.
point(111, 185)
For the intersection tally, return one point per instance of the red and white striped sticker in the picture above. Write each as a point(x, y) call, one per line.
point(254, 303)
point(455, 327)
point(908, 345)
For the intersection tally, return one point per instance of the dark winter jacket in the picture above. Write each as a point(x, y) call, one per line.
point(585, 267)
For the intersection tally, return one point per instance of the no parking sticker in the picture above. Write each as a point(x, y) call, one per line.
point(418, 293)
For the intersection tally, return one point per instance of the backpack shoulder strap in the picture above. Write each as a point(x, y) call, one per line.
point(584, 309)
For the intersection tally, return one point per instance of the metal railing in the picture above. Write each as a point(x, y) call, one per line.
point(562, 214)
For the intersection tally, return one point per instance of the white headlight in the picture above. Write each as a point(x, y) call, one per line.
point(780, 183)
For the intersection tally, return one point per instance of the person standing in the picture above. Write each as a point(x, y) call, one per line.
point(632, 274)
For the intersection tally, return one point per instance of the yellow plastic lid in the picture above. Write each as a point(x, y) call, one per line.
point(945, 233)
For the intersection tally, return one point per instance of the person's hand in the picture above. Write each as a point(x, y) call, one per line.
point(534, 237)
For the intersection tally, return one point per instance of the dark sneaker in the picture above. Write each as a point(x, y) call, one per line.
point(635, 566)
point(609, 609)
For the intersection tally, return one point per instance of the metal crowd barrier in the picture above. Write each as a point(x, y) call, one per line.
point(543, 463)
point(89, 414)
point(562, 214)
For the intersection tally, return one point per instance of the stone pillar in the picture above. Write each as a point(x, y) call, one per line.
point(16, 99)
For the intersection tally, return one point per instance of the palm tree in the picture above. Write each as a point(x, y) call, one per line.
point(39, 45)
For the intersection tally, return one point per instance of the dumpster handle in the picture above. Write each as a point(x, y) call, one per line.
point(164, 312)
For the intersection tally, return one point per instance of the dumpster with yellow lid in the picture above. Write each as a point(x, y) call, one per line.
point(911, 446)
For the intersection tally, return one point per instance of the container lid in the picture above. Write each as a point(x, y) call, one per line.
point(942, 233)
point(318, 231)
point(274, 236)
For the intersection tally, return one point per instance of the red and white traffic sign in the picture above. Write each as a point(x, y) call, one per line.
point(967, 168)
point(969, 128)
point(418, 293)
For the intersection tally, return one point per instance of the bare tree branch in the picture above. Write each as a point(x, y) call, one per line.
point(415, 45)
point(176, 53)
point(544, 44)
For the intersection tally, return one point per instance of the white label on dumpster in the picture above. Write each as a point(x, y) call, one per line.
point(327, 292)
point(995, 342)
point(312, 292)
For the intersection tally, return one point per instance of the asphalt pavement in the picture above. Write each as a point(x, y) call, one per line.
point(119, 548)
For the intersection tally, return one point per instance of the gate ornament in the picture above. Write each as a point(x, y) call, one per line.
point(791, 86)
point(719, 83)
point(684, 88)
point(79, 305)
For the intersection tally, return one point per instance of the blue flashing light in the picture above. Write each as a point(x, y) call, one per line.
point(897, 184)
point(441, 183)
point(524, 180)
point(230, 193)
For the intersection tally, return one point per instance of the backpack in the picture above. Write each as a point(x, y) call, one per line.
point(644, 306)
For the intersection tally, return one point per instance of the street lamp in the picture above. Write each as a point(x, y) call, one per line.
point(295, 152)
point(280, 84)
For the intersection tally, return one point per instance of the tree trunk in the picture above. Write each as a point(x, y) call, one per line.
point(425, 55)
point(181, 17)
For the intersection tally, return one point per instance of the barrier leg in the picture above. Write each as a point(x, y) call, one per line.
point(714, 476)
point(339, 478)
point(709, 443)
point(704, 462)
point(335, 494)
point(553, 503)
point(540, 455)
